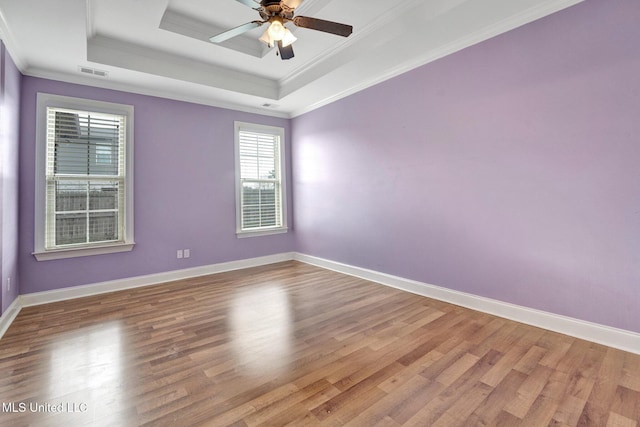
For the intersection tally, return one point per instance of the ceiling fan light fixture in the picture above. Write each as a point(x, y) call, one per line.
point(288, 38)
point(266, 38)
point(275, 13)
point(276, 30)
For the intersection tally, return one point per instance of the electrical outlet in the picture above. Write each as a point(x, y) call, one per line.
point(187, 253)
point(179, 254)
point(8, 284)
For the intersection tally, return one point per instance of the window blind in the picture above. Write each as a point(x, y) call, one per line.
point(260, 176)
point(85, 178)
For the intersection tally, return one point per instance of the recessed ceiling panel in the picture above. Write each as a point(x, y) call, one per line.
point(161, 46)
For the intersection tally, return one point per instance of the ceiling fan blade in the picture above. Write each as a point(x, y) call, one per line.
point(322, 25)
point(235, 31)
point(292, 4)
point(286, 52)
point(251, 3)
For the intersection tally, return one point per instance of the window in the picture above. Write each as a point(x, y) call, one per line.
point(260, 183)
point(84, 193)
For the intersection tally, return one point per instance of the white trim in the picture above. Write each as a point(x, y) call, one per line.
point(84, 251)
point(200, 98)
point(45, 100)
point(8, 39)
point(601, 334)
point(10, 314)
point(262, 232)
point(606, 335)
point(64, 294)
point(91, 26)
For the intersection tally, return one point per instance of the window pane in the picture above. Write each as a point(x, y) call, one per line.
point(71, 228)
point(103, 226)
point(250, 193)
point(71, 196)
point(103, 196)
point(268, 205)
point(251, 216)
point(260, 205)
point(251, 205)
point(104, 159)
point(70, 158)
point(86, 143)
point(258, 155)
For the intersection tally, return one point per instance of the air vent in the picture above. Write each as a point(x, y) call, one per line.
point(87, 70)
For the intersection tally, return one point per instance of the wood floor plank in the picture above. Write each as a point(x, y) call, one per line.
point(458, 413)
point(293, 344)
point(454, 403)
point(617, 420)
point(631, 372)
point(493, 405)
point(529, 391)
point(597, 408)
point(390, 402)
point(569, 410)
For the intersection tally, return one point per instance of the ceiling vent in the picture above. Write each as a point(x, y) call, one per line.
point(88, 70)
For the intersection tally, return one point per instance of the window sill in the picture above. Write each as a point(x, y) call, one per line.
point(84, 251)
point(261, 232)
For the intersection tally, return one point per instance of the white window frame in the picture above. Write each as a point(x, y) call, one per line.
point(272, 130)
point(44, 101)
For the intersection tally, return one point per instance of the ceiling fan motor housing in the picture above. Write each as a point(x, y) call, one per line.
point(271, 9)
point(272, 6)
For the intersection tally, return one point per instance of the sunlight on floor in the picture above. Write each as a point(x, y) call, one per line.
point(260, 323)
point(86, 372)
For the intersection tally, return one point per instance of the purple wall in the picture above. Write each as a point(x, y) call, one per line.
point(10, 79)
point(184, 191)
point(507, 170)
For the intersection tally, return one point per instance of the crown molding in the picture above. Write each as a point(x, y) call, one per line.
point(178, 95)
point(9, 42)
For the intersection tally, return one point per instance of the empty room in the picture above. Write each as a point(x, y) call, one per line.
point(320, 213)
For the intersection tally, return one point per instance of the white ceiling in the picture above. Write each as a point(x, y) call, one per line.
point(161, 47)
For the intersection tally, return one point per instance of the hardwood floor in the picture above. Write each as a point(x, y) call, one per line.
point(293, 344)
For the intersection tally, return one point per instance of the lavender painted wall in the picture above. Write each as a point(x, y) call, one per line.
point(183, 184)
point(9, 145)
point(507, 170)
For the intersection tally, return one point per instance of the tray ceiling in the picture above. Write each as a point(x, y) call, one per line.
point(161, 47)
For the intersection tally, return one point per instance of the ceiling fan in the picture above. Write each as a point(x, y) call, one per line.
point(276, 14)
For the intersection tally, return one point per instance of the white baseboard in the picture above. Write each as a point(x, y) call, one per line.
point(150, 279)
point(606, 335)
point(45, 297)
point(37, 298)
point(10, 314)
